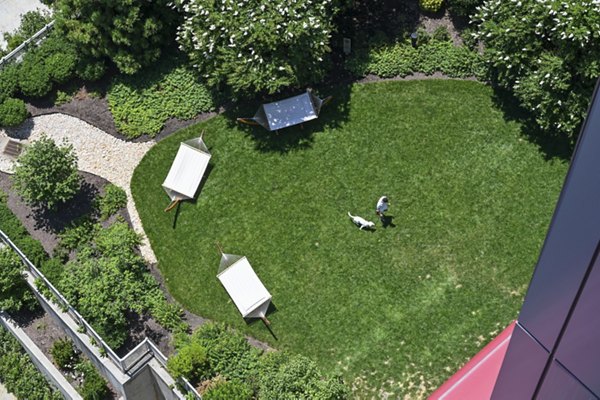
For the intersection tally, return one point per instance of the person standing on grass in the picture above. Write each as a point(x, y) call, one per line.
point(382, 207)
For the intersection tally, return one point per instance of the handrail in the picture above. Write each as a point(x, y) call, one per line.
point(26, 43)
point(125, 364)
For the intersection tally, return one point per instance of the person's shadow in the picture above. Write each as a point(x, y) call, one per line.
point(387, 221)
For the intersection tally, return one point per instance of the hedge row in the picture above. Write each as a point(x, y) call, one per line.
point(401, 59)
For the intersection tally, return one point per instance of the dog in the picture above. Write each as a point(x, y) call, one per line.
point(360, 221)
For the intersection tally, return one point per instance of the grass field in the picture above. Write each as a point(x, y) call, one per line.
point(396, 310)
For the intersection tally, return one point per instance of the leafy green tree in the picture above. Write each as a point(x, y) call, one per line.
point(12, 112)
point(129, 32)
point(14, 293)
point(46, 174)
point(547, 53)
point(260, 45)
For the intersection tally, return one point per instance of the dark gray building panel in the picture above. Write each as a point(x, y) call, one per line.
point(571, 240)
point(561, 385)
point(521, 369)
point(579, 348)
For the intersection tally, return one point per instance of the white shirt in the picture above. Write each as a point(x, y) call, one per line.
point(382, 206)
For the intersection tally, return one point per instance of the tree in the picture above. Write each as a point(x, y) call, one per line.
point(129, 32)
point(46, 174)
point(14, 293)
point(547, 53)
point(260, 45)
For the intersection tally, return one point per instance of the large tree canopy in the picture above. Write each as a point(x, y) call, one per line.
point(128, 32)
point(257, 45)
point(547, 52)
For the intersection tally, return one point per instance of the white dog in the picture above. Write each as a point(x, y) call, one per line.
point(360, 221)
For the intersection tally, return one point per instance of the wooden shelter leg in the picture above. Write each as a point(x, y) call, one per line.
point(265, 320)
point(172, 205)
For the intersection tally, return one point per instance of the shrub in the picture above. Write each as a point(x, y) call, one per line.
point(113, 200)
point(229, 353)
point(441, 34)
point(228, 390)
point(12, 112)
point(141, 104)
point(31, 248)
point(64, 354)
point(256, 46)
point(130, 33)
point(78, 234)
point(53, 269)
point(94, 386)
point(190, 362)
point(46, 174)
point(61, 66)
point(9, 81)
point(34, 79)
point(14, 293)
point(546, 53)
point(90, 69)
point(18, 373)
point(296, 377)
point(431, 5)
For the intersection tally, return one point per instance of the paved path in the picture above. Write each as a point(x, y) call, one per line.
point(98, 153)
point(4, 395)
point(10, 14)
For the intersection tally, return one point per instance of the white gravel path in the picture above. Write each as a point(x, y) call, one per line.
point(98, 152)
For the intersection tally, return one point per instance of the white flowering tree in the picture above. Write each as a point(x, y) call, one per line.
point(257, 45)
point(547, 52)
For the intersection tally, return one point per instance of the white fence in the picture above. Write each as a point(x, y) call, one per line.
point(17, 53)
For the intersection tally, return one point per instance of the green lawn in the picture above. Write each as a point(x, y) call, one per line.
point(397, 310)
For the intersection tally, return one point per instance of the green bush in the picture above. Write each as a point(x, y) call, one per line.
point(61, 66)
point(12, 112)
point(94, 386)
point(441, 34)
point(34, 79)
point(9, 81)
point(113, 200)
point(47, 174)
point(229, 353)
point(286, 377)
point(32, 249)
point(140, 104)
point(190, 362)
point(78, 234)
point(64, 354)
point(53, 269)
point(18, 373)
point(228, 390)
point(431, 5)
point(431, 55)
point(90, 69)
point(14, 292)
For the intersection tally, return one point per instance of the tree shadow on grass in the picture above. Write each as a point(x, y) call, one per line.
point(298, 137)
point(56, 220)
point(550, 144)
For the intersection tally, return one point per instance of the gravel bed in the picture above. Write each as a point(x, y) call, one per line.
point(98, 153)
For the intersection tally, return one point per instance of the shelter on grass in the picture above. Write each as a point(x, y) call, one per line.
point(186, 171)
point(244, 287)
point(288, 112)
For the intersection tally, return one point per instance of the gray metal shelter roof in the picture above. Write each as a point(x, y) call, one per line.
point(292, 111)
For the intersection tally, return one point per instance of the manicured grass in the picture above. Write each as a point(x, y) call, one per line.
point(397, 310)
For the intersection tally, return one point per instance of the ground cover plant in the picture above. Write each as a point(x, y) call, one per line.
point(18, 373)
point(140, 104)
point(396, 310)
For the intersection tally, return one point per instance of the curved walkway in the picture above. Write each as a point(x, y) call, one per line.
point(98, 153)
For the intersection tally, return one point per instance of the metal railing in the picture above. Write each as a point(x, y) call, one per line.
point(23, 47)
point(128, 364)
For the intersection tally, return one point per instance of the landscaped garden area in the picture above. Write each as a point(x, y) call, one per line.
point(396, 310)
point(473, 168)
